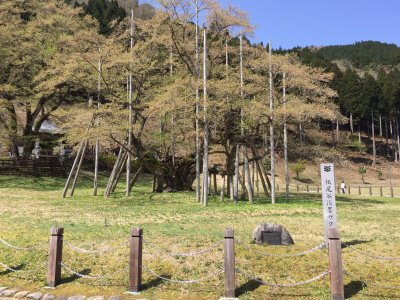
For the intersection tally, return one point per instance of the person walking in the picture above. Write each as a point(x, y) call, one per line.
point(343, 187)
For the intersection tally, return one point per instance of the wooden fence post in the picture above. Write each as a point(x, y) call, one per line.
point(318, 189)
point(380, 191)
point(135, 260)
point(370, 190)
point(229, 263)
point(359, 190)
point(298, 188)
point(391, 192)
point(335, 264)
point(55, 256)
point(349, 189)
point(308, 189)
point(338, 189)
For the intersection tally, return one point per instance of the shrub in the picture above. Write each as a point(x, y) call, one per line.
point(298, 167)
point(362, 171)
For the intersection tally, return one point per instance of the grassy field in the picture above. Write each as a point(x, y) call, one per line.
point(173, 222)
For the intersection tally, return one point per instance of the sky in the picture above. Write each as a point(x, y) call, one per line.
point(290, 23)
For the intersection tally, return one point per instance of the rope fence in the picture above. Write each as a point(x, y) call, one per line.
point(133, 271)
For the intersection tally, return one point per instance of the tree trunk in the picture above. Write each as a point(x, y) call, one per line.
point(387, 137)
point(373, 140)
point(380, 125)
point(351, 124)
point(391, 139)
point(337, 131)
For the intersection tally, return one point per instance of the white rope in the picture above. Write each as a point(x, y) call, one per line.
point(88, 251)
point(14, 247)
point(320, 246)
point(152, 272)
point(79, 274)
point(187, 254)
point(369, 254)
point(318, 277)
point(9, 268)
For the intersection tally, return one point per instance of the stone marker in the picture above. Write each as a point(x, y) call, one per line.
point(272, 234)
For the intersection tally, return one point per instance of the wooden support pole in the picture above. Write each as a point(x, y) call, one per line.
point(215, 184)
point(391, 192)
point(223, 188)
point(380, 191)
point(135, 260)
point(318, 189)
point(349, 189)
point(298, 188)
point(335, 264)
point(359, 190)
point(338, 189)
point(370, 190)
point(71, 173)
point(308, 189)
point(55, 256)
point(78, 169)
point(229, 263)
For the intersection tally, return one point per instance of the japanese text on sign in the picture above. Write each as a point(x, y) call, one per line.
point(328, 196)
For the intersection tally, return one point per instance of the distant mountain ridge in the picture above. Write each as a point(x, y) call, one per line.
point(362, 54)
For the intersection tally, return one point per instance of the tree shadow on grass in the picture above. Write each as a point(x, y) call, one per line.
point(74, 277)
point(19, 267)
point(154, 282)
point(249, 286)
point(353, 288)
point(359, 201)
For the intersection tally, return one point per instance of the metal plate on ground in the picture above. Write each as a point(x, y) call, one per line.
point(271, 238)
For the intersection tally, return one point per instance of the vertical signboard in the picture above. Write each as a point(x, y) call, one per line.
point(328, 197)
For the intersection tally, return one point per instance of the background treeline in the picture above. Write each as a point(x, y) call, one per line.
point(367, 78)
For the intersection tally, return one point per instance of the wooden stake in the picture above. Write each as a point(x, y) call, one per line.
point(135, 260)
point(335, 264)
point(229, 263)
point(55, 256)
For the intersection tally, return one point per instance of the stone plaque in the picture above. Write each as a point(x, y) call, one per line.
point(271, 238)
point(273, 234)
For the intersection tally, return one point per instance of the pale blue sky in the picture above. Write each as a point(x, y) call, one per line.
point(292, 23)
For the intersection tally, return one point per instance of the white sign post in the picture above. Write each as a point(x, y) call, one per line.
point(328, 197)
